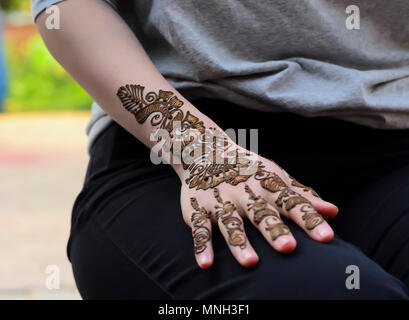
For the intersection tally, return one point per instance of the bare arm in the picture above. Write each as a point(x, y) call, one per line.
point(102, 54)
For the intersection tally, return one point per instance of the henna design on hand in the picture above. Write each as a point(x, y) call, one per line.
point(274, 224)
point(204, 173)
point(297, 184)
point(311, 217)
point(233, 225)
point(165, 108)
point(287, 198)
point(201, 234)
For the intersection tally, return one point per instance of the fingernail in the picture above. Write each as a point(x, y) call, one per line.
point(247, 254)
point(323, 231)
point(203, 259)
point(281, 241)
point(204, 262)
point(331, 204)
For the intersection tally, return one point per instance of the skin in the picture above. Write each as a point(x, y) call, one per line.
point(103, 56)
point(210, 169)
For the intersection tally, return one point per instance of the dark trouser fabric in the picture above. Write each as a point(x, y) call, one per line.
point(128, 239)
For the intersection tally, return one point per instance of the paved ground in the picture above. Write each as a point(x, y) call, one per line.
point(42, 164)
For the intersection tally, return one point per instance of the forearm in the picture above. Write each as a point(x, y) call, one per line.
point(102, 54)
point(99, 50)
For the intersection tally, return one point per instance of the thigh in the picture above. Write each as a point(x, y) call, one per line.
point(135, 244)
point(377, 220)
point(128, 240)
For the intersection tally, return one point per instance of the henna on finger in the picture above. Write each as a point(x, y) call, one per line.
point(201, 234)
point(297, 184)
point(288, 199)
point(311, 217)
point(233, 225)
point(274, 224)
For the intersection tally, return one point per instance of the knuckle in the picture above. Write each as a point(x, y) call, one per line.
point(230, 220)
point(310, 217)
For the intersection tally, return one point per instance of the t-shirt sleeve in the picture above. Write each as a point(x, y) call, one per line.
point(37, 6)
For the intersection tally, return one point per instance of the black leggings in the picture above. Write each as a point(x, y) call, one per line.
point(128, 239)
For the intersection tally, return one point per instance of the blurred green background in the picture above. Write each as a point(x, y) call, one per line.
point(35, 81)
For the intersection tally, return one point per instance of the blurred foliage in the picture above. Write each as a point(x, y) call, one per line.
point(15, 5)
point(37, 82)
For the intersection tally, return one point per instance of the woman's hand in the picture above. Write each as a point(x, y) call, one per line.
point(219, 192)
point(224, 196)
point(222, 182)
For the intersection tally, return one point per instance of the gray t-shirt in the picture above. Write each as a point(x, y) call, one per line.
point(278, 55)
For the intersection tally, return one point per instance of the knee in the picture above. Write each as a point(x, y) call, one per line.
point(325, 271)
